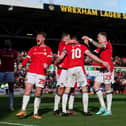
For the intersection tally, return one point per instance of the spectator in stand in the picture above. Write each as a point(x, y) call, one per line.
point(117, 61)
point(20, 77)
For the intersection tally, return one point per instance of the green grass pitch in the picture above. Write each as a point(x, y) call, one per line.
point(46, 111)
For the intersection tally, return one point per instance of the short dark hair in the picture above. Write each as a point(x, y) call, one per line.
point(74, 37)
point(104, 34)
point(42, 33)
point(64, 34)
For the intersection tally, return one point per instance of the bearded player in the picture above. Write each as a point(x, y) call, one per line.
point(41, 58)
point(76, 72)
point(62, 79)
point(105, 76)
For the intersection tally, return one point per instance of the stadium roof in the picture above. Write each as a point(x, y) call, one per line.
point(23, 3)
point(22, 22)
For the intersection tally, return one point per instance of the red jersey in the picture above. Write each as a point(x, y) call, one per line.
point(7, 57)
point(62, 45)
point(106, 54)
point(40, 56)
point(75, 54)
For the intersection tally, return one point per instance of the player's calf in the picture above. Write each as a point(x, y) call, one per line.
point(85, 99)
point(37, 101)
point(65, 98)
point(59, 93)
point(109, 100)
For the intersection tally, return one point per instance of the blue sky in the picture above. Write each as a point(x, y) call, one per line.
point(110, 5)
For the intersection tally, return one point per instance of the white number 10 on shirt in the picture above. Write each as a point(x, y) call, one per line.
point(76, 53)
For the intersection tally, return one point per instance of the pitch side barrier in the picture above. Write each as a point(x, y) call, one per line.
point(92, 71)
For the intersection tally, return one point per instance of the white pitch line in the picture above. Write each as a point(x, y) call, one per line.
point(15, 124)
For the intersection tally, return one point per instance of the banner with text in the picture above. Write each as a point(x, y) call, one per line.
point(83, 11)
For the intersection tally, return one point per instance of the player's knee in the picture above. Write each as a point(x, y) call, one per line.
point(72, 92)
point(60, 91)
point(67, 90)
point(84, 89)
point(27, 92)
point(38, 92)
point(108, 88)
point(95, 87)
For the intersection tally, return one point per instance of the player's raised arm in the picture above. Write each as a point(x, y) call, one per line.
point(98, 45)
point(96, 59)
point(60, 58)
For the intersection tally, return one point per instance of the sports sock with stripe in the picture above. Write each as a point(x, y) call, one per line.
point(36, 105)
point(56, 102)
point(64, 102)
point(71, 102)
point(25, 102)
point(100, 97)
point(85, 102)
point(109, 100)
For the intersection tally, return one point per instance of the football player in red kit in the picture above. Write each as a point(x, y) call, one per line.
point(8, 57)
point(41, 58)
point(76, 72)
point(105, 76)
point(62, 78)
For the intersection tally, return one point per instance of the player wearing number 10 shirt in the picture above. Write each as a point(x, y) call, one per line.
point(41, 58)
point(76, 72)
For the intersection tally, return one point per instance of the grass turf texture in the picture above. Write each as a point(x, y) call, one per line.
point(46, 111)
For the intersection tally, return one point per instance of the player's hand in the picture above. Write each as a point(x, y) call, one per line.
point(45, 66)
point(106, 65)
point(20, 66)
point(86, 41)
point(85, 37)
point(124, 82)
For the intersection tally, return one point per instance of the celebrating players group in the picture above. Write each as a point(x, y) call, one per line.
point(70, 64)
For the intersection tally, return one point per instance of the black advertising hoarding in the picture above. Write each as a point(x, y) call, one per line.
point(83, 11)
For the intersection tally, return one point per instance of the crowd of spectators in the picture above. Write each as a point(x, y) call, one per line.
point(119, 74)
point(117, 61)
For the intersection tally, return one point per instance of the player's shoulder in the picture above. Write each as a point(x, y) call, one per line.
point(62, 43)
point(68, 45)
point(48, 48)
point(81, 45)
point(109, 42)
point(33, 48)
point(106, 42)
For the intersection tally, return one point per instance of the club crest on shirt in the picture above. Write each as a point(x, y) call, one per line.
point(44, 49)
point(35, 49)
